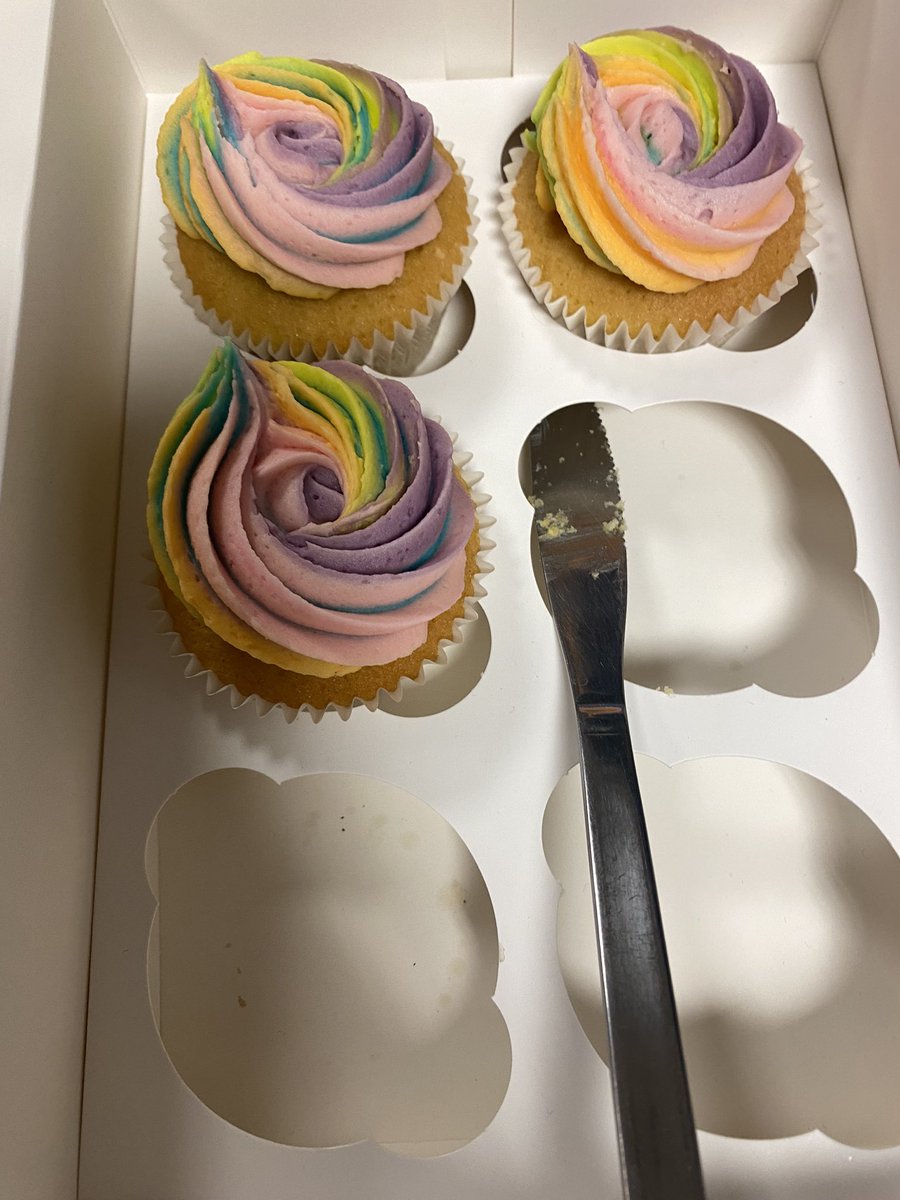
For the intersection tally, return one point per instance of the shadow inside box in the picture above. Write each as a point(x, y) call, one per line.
point(323, 960)
point(741, 554)
point(779, 323)
point(513, 142)
point(781, 902)
point(867, 1181)
point(451, 335)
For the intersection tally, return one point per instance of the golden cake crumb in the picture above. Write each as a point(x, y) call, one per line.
point(554, 525)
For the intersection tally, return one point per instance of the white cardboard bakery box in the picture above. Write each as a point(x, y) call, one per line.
point(353, 984)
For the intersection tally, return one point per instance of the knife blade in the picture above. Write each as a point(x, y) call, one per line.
point(580, 525)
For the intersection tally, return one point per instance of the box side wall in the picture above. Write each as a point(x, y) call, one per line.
point(57, 522)
point(777, 32)
point(21, 91)
point(859, 81)
point(405, 39)
point(477, 39)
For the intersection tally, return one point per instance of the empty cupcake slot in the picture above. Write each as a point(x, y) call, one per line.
point(741, 555)
point(322, 962)
point(779, 323)
point(446, 684)
point(780, 900)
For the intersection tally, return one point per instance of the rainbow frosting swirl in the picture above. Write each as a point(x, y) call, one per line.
point(309, 515)
point(663, 156)
point(316, 176)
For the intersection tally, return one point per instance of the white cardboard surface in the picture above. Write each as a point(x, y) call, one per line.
point(24, 80)
point(489, 764)
point(70, 289)
point(857, 76)
point(167, 38)
point(776, 32)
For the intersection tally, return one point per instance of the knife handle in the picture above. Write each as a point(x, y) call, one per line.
point(657, 1139)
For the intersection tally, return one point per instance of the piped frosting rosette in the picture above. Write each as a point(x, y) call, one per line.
point(310, 518)
point(316, 176)
point(321, 181)
point(664, 159)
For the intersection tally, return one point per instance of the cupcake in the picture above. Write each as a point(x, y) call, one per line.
point(313, 213)
point(314, 538)
point(657, 203)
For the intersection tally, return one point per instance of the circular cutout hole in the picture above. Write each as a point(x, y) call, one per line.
point(447, 339)
point(780, 322)
point(780, 900)
point(446, 684)
point(323, 960)
point(741, 554)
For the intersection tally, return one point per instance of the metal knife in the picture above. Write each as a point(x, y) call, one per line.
point(578, 516)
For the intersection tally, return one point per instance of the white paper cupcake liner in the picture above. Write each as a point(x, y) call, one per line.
point(194, 668)
point(398, 355)
point(618, 338)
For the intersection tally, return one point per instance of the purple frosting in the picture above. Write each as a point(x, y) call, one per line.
point(758, 144)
